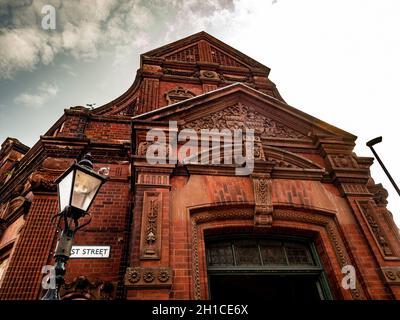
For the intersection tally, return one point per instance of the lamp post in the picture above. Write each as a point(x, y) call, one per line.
point(77, 187)
point(371, 144)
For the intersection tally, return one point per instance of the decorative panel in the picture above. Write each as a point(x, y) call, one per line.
point(150, 244)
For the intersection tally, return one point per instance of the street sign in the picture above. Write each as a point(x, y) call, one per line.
point(90, 252)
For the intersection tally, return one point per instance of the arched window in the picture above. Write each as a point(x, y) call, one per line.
point(264, 269)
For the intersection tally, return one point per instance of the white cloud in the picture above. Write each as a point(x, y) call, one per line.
point(87, 28)
point(44, 93)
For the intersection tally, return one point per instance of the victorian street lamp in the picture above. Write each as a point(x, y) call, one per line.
point(77, 188)
point(371, 144)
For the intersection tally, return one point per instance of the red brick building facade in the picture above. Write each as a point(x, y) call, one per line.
point(199, 231)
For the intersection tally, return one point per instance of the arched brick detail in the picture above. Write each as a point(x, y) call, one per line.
point(320, 224)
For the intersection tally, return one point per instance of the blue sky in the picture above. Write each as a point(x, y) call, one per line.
point(337, 60)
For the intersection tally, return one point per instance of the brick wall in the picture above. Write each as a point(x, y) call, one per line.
point(23, 276)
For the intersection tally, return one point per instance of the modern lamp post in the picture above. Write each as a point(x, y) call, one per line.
point(77, 188)
point(371, 144)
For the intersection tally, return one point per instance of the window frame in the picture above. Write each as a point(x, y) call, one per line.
point(273, 270)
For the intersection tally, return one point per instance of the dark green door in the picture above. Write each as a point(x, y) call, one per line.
point(264, 269)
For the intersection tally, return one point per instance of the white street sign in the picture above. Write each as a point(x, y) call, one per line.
point(90, 252)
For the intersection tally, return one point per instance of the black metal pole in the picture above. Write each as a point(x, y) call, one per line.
point(61, 256)
point(370, 144)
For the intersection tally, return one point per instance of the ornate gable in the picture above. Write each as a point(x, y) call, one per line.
point(238, 106)
point(241, 116)
point(202, 47)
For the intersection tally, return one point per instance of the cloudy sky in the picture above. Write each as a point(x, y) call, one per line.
point(337, 60)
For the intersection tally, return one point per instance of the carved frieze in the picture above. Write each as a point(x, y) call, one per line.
point(82, 288)
point(155, 277)
point(369, 215)
point(343, 161)
point(240, 116)
point(262, 185)
point(392, 274)
point(151, 225)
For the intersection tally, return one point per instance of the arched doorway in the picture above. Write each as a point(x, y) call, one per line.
point(263, 268)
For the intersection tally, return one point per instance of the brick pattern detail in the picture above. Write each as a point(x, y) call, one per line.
point(190, 54)
point(149, 94)
point(223, 59)
point(73, 126)
point(108, 132)
point(23, 276)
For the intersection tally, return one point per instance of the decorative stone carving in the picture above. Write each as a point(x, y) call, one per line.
point(148, 276)
point(258, 151)
point(133, 275)
point(343, 161)
point(82, 288)
point(164, 275)
point(177, 94)
point(209, 75)
point(369, 216)
point(157, 277)
point(151, 225)
point(380, 194)
point(240, 116)
point(263, 200)
point(392, 274)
